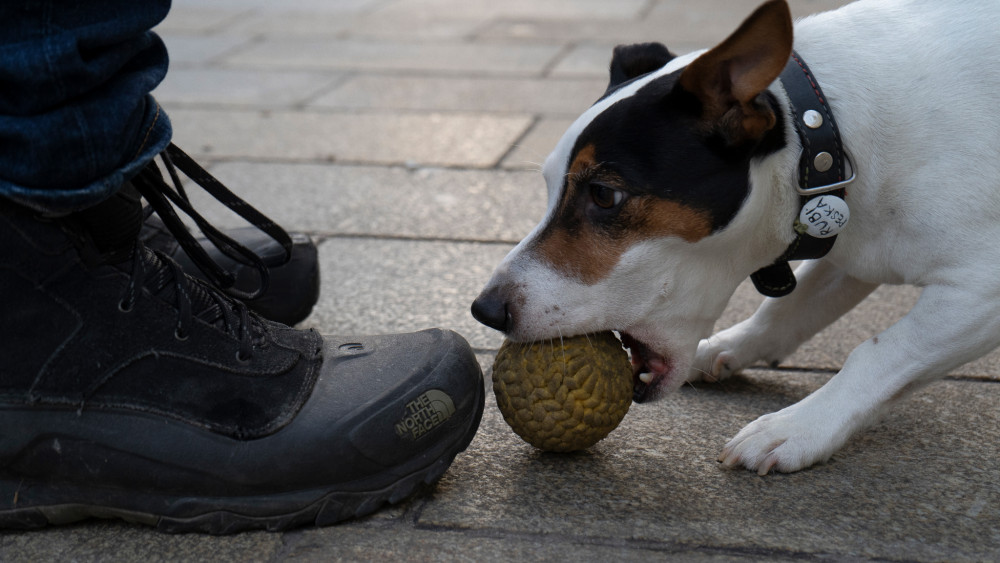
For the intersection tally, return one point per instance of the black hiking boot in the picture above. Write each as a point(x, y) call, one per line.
point(131, 390)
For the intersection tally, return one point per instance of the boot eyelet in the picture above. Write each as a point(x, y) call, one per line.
point(125, 309)
point(241, 359)
point(180, 336)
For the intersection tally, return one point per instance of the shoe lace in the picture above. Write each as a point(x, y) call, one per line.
point(160, 195)
point(160, 274)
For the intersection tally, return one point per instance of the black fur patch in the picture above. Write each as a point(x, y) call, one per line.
point(656, 142)
point(632, 61)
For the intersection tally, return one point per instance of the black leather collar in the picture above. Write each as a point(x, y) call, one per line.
point(822, 180)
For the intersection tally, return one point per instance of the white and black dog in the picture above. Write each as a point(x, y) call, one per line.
point(691, 173)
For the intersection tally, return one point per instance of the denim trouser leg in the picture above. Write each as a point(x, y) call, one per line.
point(76, 117)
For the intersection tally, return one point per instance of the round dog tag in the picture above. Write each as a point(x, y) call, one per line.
point(824, 216)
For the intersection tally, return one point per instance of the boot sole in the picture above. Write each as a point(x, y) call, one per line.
point(226, 515)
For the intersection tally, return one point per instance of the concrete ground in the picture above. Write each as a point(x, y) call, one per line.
point(406, 136)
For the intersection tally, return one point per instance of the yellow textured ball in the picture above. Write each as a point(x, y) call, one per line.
point(563, 395)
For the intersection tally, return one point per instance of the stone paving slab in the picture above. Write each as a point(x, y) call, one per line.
point(677, 36)
point(194, 50)
point(720, 17)
point(199, 20)
point(672, 23)
point(534, 147)
point(404, 542)
point(443, 139)
point(584, 61)
point(547, 9)
point(429, 26)
point(238, 87)
point(484, 94)
point(917, 486)
point(371, 286)
point(101, 542)
point(293, 24)
point(269, 6)
point(581, 31)
point(452, 57)
point(421, 26)
point(382, 201)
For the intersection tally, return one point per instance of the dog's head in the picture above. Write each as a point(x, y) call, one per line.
point(650, 224)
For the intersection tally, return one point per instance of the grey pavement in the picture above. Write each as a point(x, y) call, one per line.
point(406, 137)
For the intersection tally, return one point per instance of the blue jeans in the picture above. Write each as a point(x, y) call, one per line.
point(76, 117)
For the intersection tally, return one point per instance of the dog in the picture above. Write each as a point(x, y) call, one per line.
point(686, 177)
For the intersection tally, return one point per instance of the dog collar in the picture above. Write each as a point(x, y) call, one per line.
point(821, 185)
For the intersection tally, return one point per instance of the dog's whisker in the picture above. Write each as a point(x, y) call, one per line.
point(699, 370)
point(562, 346)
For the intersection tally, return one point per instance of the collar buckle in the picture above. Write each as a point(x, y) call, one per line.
point(818, 190)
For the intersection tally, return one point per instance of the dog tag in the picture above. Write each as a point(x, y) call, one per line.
point(824, 216)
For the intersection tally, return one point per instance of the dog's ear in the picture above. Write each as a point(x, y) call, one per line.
point(728, 79)
point(629, 61)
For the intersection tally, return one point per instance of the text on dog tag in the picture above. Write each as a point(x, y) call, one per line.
point(824, 216)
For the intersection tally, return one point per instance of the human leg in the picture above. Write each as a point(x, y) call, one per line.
point(76, 118)
point(133, 390)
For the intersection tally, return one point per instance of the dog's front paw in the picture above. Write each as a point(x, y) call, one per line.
point(735, 348)
point(712, 363)
point(784, 441)
point(721, 355)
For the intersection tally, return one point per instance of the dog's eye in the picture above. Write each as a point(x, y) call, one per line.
point(605, 196)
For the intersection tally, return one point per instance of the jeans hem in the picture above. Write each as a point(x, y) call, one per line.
point(158, 133)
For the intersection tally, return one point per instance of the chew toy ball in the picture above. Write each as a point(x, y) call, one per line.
point(565, 394)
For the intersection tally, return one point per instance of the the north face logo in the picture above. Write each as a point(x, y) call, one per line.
point(425, 413)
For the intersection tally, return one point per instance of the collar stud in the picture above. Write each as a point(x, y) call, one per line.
point(812, 119)
point(823, 161)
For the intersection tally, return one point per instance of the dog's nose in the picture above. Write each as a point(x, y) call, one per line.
point(490, 308)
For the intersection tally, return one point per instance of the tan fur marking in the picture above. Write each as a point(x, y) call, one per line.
point(591, 254)
point(584, 160)
point(670, 218)
point(580, 257)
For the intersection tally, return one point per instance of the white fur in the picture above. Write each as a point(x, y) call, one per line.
point(912, 84)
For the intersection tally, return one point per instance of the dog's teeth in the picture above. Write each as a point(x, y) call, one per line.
point(645, 377)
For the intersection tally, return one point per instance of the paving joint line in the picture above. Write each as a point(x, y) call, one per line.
point(516, 143)
point(403, 72)
point(335, 80)
point(208, 157)
point(321, 237)
point(477, 33)
point(970, 378)
point(289, 541)
point(630, 543)
point(335, 83)
point(560, 56)
point(646, 10)
point(965, 378)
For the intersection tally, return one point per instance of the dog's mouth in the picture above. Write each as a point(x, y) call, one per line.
point(649, 369)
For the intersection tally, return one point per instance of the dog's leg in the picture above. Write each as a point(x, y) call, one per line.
point(779, 326)
point(948, 326)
